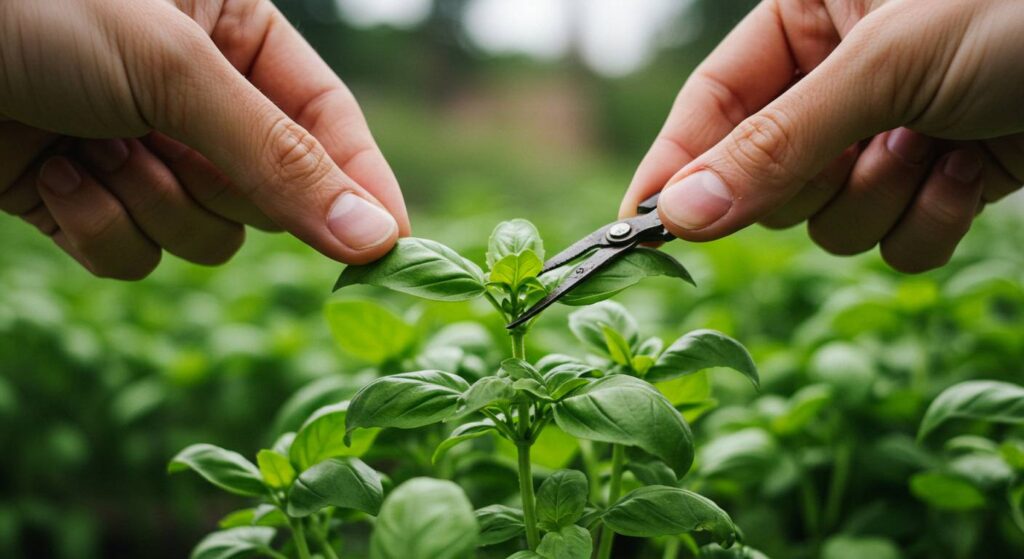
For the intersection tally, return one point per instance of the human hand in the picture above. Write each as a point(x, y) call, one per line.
point(238, 122)
point(878, 122)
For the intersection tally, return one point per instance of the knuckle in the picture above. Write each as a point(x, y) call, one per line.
point(761, 144)
point(297, 158)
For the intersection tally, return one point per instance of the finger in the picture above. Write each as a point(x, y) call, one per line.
point(264, 46)
point(816, 194)
point(881, 186)
point(94, 224)
point(158, 204)
point(41, 218)
point(206, 184)
point(761, 164)
point(20, 147)
point(273, 161)
point(940, 216)
point(754, 64)
point(1007, 174)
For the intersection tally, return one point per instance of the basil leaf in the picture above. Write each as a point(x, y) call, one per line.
point(659, 510)
point(985, 400)
point(518, 369)
point(269, 515)
point(515, 269)
point(425, 519)
point(569, 542)
point(847, 369)
point(322, 436)
point(552, 360)
point(525, 554)
point(561, 498)
point(535, 388)
point(275, 468)
point(499, 523)
point(346, 483)
point(587, 324)
point(226, 469)
point(242, 517)
point(625, 410)
point(461, 434)
point(486, 392)
point(651, 472)
point(617, 347)
point(422, 268)
point(703, 349)
point(624, 272)
point(514, 237)
point(405, 401)
point(946, 492)
point(742, 456)
point(368, 331)
point(234, 543)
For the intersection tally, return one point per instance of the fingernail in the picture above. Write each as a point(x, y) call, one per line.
point(696, 201)
point(59, 175)
point(963, 165)
point(908, 145)
point(107, 155)
point(358, 223)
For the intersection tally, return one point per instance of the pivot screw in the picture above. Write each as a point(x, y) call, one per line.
point(619, 231)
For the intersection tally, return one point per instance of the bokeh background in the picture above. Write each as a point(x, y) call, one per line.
point(487, 110)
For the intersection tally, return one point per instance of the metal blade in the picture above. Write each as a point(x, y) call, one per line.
point(579, 274)
point(575, 250)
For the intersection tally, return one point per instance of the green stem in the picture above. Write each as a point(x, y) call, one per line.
point(591, 466)
point(809, 502)
point(671, 548)
point(526, 489)
point(837, 485)
point(322, 539)
point(299, 537)
point(614, 491)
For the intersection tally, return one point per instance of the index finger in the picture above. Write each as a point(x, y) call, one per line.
point(777, 42)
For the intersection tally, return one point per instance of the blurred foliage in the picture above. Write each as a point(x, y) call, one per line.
point(101, 382)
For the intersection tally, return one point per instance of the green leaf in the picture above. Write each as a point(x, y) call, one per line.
point(744, 455)
point(499, 523)
point(802, 408)
point(688, 389)
point(561, 498)
point(984, 400)
point(345, 482)
point(847, 369)
point(624, 272)
point(425, 519)
point(269, 515)
point(659, 510)
point(625, 410)
point(485, 392)
point(234, 543)
point(587, 324)
point(860, 547)
point(405, 401)
point(514, 237)
point(226, 469)
point(618, 347)
point(461, 434)
point(518, 369)
point(322, 436)
point(526, 554)
point(422, 268)
point(699, 350)
point(562, 379)
point(533, 387)
point(946, 492)
point(515, 269)
point(275, 469)
point(368, 331)
point(651, 472)
point(283, 444)
point(547, 363)
point(569, 542)
point(242, 517)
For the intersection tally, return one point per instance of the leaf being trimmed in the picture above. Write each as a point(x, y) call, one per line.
point(569, 542)
point(405, 401)
point(624, 272)
point(561, 498)
point(699, 350)
point(368, 331)
point(626, 410)
point(234, 543)
point(226, 469)
point(514, 237)
point(658, 510)
point(322, 436)
point(617, 347)
point(463, 433)
point(499, 523)
point(346, 483)
point(515, 269)
point(277, 471)
point(425, 519)
point(420, 267)
point(984, 400)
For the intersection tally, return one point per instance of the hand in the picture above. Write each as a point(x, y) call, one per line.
point(879, 122)
point(237, 121)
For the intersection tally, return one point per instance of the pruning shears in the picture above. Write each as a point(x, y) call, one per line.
point(607, 244)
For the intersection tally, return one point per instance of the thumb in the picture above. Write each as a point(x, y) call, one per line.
point(271, 160)
point(773, 153)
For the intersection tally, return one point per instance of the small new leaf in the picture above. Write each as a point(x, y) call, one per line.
point(275, 468)
point(514, 237)
point(561, 498)
point(569, 542)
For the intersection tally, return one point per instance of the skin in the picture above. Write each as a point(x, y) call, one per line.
point(887, 123)
point(176, 123)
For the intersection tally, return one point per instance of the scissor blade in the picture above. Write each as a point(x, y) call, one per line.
point(578, 275)
point(575, 250)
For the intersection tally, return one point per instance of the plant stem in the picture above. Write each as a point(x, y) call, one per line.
point(526, 489)
point(837, 485)
point(321, 537)
point(809, 502)
point(299, 536)
point(590, 465)
point(671, 548)
point(614, 491)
